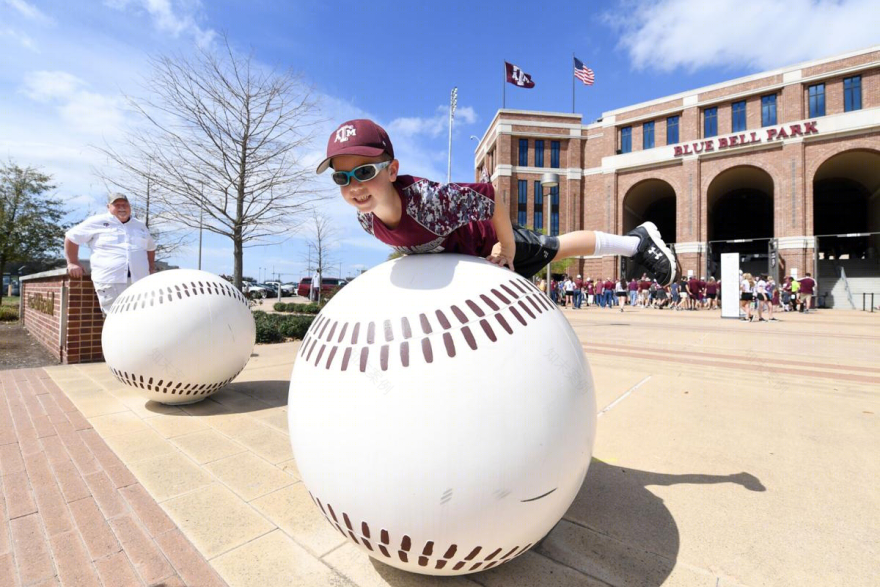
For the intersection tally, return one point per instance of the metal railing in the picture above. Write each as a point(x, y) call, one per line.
point(869, 296)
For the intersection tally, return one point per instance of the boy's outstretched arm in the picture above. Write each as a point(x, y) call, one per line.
point(505, 249)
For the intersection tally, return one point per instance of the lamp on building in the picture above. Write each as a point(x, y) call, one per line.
point(549, 180)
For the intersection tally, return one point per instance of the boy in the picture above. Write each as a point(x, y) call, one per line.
point(415, 215)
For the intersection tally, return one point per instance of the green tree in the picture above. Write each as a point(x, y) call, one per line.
point(30, 220)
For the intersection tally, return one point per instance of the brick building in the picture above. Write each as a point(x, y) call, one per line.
point(782, 167)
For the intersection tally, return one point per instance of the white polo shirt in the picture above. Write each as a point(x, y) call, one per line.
point(117, 248)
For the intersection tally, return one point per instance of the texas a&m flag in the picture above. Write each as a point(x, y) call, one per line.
point(518, 77)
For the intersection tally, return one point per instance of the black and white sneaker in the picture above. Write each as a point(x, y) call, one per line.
point(654, 255)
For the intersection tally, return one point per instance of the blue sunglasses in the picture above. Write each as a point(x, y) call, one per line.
point(362, 173)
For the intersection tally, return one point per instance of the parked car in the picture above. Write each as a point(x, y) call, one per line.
point(271, 289)
point(254, 290)
point(328, 284)
point(287, 289)
point(7, 281)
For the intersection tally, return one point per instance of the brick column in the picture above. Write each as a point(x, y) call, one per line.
point(84, 323)
point(63, 315)
point(793, 207)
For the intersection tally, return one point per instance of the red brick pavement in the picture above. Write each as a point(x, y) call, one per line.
point(70, 511)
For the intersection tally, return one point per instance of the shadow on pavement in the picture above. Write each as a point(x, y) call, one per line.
point(616, 531)
point(237, 397)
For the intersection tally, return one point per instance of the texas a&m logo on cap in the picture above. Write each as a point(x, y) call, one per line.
point(344, 132)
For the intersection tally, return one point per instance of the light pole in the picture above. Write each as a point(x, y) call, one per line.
point(453, 101)
point(549, 180)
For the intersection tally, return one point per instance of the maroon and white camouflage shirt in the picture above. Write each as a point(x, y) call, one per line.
point(437, 218)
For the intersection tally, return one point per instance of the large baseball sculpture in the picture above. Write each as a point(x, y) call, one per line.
point(442, 414)
point(178, 336)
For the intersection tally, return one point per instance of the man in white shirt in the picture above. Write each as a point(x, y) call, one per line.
point(123, 250)
point(316, 286)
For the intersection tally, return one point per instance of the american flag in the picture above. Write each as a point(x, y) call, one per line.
point(582, 72)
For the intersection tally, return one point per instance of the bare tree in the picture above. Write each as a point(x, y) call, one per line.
point(323, 236)
point(222, 137)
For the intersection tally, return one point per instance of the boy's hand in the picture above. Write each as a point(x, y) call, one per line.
point(502, 256)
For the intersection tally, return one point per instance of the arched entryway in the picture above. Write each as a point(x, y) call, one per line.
point(652, 200)
point(846, 223)
point(740, 219)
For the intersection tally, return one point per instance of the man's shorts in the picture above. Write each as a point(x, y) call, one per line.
point(107, 294)
point(533, 251)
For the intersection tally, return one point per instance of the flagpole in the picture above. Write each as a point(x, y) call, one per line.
point(572, 83)
point(503, 85)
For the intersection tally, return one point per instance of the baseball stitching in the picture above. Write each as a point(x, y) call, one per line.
point(167, 294)
point(364, 538)
point(523, 306)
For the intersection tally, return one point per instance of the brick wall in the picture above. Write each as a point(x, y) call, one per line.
point(81, 343)
point(84, 323)
point(43, 327)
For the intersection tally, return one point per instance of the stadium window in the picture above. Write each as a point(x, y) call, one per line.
point(522, 202)
point(538, 209)
point(554, 154)
point(554, 211)
point(523, 152)
point(738, 122)
point(710, 122)
point(852, 93)
point(817, 100)
point(768, 110)
point(539, 153)
point(626, 139)
point(648, 135)
point(672, 130)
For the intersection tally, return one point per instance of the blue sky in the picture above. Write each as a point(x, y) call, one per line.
point(64, 65)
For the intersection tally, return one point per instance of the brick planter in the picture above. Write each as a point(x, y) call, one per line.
point(63, 315)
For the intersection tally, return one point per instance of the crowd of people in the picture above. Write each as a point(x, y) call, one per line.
point(759, 297)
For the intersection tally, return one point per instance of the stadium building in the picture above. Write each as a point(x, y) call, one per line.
point(782, 167)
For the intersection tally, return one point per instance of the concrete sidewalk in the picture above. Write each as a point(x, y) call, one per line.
point(728, 453)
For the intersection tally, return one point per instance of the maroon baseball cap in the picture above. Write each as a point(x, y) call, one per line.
point(357, 137)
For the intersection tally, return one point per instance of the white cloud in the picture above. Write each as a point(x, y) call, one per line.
point(168, 16)
point(21, 38)
point(82, 111)
point(433, 126)
point(27, 10)
point(44, 86)
point(763, 34)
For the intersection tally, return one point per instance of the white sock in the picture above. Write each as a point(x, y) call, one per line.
point(612, 244)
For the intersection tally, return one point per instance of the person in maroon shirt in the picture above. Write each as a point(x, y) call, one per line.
point(644, 290)
point(712, 293)
point(591, 292)
point(415, 215)
point(694, 292)
point(633, 288)
point(609, 292)
point(806, 292)
point(578, 292)
point(702, 299)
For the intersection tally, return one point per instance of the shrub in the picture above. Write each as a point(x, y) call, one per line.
point(8, 313)
point(267, 328)
point(312, 308)
point(281, 307)
point(296, 326)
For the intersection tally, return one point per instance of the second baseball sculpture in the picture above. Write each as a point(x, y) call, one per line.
point(178, 336)
point(442, 414)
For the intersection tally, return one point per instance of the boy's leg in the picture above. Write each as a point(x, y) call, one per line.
point(642, 244)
